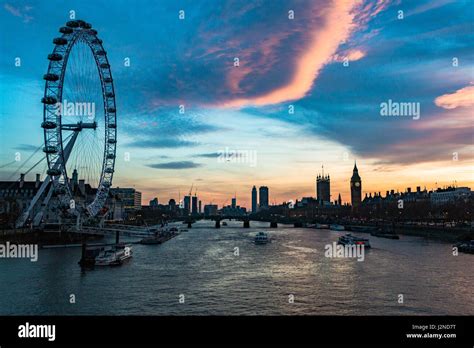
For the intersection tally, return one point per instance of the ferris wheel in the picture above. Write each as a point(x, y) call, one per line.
point(79, 114)
point(79, 123)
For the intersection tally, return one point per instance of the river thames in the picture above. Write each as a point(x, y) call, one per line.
point(202, 267)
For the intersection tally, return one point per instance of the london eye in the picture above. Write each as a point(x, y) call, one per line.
point(79, 120)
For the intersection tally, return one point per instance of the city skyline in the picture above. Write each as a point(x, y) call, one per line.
point(291, 103)
point(191, 201)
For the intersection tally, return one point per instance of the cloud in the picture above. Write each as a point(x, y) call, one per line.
point(162, 143)
point(351, 55)
point(18, 12)
point(175, 165)
point(207, 155)
point(279, 59)
point(463, 97)
point(26, 147)
point(324, 41)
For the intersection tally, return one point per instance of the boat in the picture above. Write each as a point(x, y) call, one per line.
point(349, 239)
point(322, 226)
point(114, 256)
point(161, 236)
point(336, 227)
point(465, 247)
point(224, 223)
point(261, 238)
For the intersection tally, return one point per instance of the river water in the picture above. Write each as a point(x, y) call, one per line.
point(201, 267)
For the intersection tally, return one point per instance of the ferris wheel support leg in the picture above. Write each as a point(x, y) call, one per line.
point(39, 215)
point(78, 222)
point(26, 214)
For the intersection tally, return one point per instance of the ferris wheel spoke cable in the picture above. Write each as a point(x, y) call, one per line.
point(24, 163)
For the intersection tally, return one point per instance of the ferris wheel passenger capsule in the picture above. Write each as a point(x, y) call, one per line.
point(51, 77)
point(50, 149)
point(72, 24)
point(55, 57)
point(48, 125)
point(49, 100)
point(60, 41)
point(65, 30)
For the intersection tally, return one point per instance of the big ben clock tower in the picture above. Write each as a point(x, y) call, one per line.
point(356, 188)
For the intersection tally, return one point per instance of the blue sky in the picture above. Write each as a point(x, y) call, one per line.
point(283, 62)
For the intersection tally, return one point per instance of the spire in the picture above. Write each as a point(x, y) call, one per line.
point(355, 173)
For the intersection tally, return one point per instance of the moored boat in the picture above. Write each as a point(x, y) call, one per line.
point(349, 239)
point(161, 236)
point(114, 256)
point(465, 247)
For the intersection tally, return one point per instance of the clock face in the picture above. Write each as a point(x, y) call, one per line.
point(357, 184)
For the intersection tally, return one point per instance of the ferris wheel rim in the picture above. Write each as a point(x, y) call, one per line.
point(52, 116)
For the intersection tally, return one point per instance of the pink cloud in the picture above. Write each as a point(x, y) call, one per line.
point(279, 61)
point(463, 97)
point(338, 26)
point(341, 19)
point(268, 50)
point(351, 55)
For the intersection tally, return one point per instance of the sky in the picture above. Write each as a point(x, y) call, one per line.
point(243, 93)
